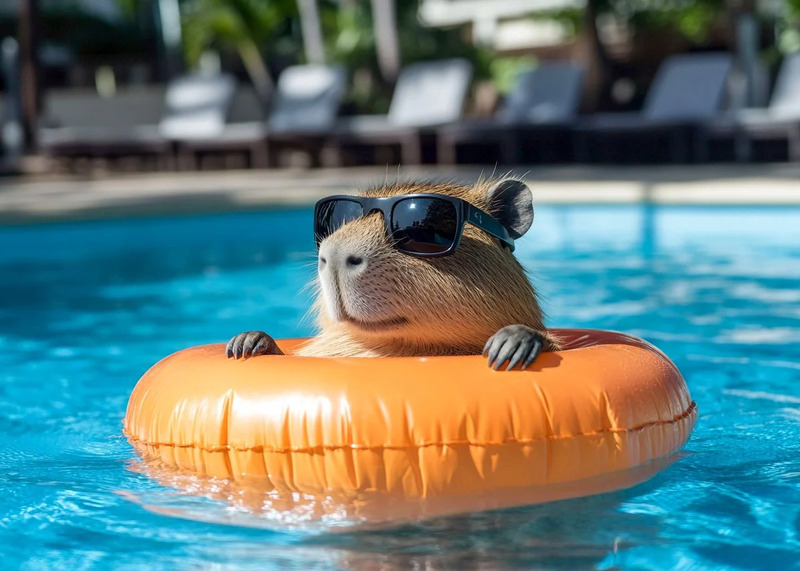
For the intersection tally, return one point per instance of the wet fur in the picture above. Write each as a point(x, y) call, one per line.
point(453, 303)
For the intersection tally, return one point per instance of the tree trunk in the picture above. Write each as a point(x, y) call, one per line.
point(595, 58)
point(745, 31)
point(30, 95)
point(168, 22)
point(384, 16)
point(256, 69)
point(311, 28)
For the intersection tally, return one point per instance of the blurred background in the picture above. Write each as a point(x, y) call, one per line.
point(187, 84)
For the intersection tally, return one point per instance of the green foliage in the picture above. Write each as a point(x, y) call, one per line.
point(82, 31)
point(692, 19)
point(230, 25)
point(418, 42)
point(70, 23)
point(504, 71)
point(788, 27)
point(570, 19)
point(129, 7)
point(349, 33)
point(348, 29)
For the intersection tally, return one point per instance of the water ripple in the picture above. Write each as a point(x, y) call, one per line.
point(86, 308)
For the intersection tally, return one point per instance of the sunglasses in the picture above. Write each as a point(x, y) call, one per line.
point(418, 224)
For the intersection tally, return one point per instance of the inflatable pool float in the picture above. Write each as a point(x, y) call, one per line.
point(448, 433)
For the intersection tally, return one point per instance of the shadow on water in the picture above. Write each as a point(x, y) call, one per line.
point(576, 533)
point(571, 534)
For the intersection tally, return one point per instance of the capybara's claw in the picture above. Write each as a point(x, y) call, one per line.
point(251, 344)
point(513, 344)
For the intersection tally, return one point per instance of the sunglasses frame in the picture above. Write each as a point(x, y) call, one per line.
point(465, 212)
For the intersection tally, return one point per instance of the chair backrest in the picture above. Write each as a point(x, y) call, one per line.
point(307, 98)
point(430, 93)
point(196, 106)
point(80, 107)
point(550, 93)
point(689, 86)
point(786, 94)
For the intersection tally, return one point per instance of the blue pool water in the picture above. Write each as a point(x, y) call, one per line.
point(86, 308)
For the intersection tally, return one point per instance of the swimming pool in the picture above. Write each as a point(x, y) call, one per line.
point(86, 308)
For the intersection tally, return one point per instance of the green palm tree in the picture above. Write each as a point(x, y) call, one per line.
point(243, 26)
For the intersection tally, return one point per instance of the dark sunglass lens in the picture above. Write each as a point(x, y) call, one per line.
point(333, 214)
point(424, 225)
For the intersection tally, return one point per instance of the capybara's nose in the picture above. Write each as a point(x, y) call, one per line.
point(340, 259)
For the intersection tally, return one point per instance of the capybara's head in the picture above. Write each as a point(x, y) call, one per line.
point(376, 295)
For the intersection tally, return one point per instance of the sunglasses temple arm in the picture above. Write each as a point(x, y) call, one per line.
point(488, 224)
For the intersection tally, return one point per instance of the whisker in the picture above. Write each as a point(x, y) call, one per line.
point(312, 285)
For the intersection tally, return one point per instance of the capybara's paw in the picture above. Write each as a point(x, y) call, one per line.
point(250, 344)
point(514, 344)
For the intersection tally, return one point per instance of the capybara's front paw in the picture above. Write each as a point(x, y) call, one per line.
point(250, 344)
point(514, 344)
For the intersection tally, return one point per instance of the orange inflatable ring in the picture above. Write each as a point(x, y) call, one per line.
point(447, 433)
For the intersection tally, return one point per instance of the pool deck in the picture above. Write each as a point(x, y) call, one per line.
point(44, 197)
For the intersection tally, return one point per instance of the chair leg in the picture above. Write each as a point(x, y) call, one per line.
point(580, 146)
point(314, 150)
point(259, 155)
point(679, 145)
point(186, 159)
point(793, 142)
point(701, 146)
point(327, 154)
point(509, 148)
point(336, 152)
point(170, 160)
point(605, 148)
point(411, 149)
point(269, 154)
point(446, 151)
point(743, 147)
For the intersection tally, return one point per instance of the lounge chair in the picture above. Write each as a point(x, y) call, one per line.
point(688, 90)
point(306, 108)
point(196, 106)
point(242, 134)
point(542, 105)
point(779, 120)
point(303, 112)
point(427, 95)
point(80, 123)
point(137, 121)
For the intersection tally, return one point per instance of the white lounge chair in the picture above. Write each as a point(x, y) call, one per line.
point(688, 90)
point(780, 120)
point(542, 107)
point(427, 95)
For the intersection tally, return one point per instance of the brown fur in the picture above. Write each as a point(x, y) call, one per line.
point(451, 304)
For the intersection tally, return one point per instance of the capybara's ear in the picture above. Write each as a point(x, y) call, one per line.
point(511, 202)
